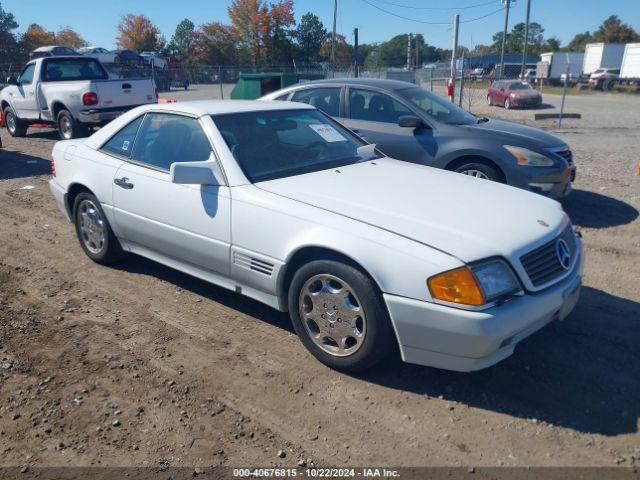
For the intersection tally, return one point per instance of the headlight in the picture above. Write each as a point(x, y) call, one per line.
point(474, 286)
point(496, 279)
point(528, 158)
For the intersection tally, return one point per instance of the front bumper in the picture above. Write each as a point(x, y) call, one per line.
point(455, 339)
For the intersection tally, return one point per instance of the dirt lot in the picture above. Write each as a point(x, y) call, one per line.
point(140, 365)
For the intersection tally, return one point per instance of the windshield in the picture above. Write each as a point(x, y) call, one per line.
point(436, 107)
point(283, 143)
point(519, 86)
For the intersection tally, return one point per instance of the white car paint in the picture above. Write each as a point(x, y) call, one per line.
point(403, 223)
point(99, 53)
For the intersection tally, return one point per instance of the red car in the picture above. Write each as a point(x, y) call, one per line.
point(513, 94)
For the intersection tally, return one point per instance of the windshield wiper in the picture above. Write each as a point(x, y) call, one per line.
point(482, 120)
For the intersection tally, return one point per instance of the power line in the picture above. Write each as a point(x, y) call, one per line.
point(430, 23)
point(436, 8)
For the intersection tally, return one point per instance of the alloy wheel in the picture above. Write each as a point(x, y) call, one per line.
point(92, 227)
point(332, 315)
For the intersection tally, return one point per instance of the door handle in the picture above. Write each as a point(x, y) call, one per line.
point(123, 183)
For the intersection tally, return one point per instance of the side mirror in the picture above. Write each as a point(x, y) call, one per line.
point(409, 121)
point(12, 80)
point(197, 173)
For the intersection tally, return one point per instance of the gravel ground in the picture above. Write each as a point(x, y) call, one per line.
point(138, 365)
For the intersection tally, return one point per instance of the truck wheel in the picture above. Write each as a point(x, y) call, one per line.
point(339, 316)
point(94, 232)
point(68, 128)
point(15, 126)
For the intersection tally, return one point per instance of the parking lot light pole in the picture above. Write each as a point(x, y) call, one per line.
point(452, 80)
point(526, 41)
point(333, 39)
point(507, 4)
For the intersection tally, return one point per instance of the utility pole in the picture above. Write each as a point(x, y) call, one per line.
point(452, 80)
point(333, 39)
point(526, 41)
point(417, 64)
point(409, 51)
point(356, 67)
point(507, 4)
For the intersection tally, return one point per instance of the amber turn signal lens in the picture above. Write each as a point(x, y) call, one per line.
point(456, 286)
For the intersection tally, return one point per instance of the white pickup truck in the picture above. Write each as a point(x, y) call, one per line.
point(73, 93)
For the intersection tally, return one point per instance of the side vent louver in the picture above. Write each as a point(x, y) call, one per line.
point(252, 263)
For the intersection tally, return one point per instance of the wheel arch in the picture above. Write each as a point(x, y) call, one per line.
point(459, 161)
point(74, 190)
point(56, 106)
point(4, 104)
point(304, 255)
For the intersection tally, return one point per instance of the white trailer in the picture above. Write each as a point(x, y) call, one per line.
point(553, 65)
point(630, 69)
point(602, 55)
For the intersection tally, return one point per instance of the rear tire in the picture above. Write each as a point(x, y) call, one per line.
point(15, 126)
point(361, 334)
point(480, 170)
point(489, 102)
point(68, 127)
point(93, 230)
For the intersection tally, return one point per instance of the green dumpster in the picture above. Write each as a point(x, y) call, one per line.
point(254, 85)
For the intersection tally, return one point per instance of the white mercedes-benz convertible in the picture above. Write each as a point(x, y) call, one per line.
point(282, 204)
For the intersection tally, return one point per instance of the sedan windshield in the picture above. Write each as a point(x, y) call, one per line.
point(437, 107)
point(282, 143)
point(519, 86)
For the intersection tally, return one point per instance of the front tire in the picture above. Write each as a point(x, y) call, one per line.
point(339, 316)
point(93, 230)
point(480, 170)
point(507, 103)
point(15, 126)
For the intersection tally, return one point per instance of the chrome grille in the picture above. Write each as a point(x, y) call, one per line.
point(542, 264)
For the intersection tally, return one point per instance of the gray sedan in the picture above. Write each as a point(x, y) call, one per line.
point(412, 124)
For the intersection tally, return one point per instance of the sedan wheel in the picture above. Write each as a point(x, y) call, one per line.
point(489, 100)
point(507, 103)
point(339, 315)
point(93, 230)
point(475, 173)
point(332, 315)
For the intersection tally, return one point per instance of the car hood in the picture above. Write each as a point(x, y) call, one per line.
point(463, 216)
point(515, 132)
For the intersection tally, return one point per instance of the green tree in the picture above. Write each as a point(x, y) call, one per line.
point(183, 41)
point(10, 50)
point(309, 36)
point(7, 21)
point(578, 42)
point(515, 39)
point(613, 30)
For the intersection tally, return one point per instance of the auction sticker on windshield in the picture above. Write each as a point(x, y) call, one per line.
point(328, 133)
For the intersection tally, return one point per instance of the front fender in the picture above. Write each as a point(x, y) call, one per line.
point(279, 227)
